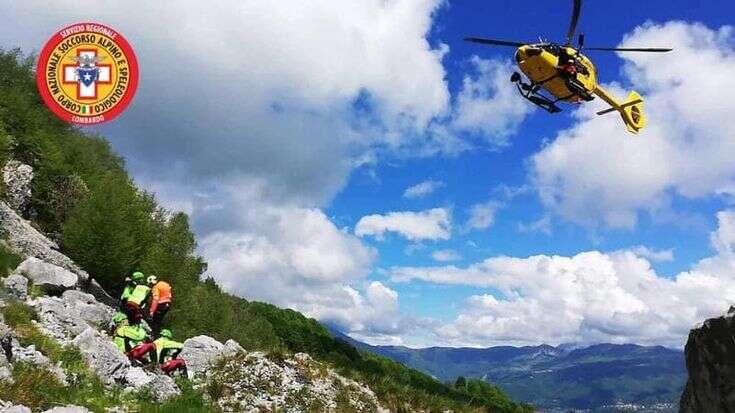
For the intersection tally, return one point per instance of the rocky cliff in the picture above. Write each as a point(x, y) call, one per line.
point(710, 361)
point(71, 310)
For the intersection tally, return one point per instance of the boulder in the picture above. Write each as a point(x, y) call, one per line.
point(67, 316)
point(163, 387)
point(11, 408)
point(17, 285)
point(17, 178)
point(101, 356)
point(231, 348)
point(199, 353)
point(29, 242)
point(51, 278)
point(68, 409)
point(26, 241)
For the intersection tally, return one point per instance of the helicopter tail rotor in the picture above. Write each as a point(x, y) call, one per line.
point(631, 110)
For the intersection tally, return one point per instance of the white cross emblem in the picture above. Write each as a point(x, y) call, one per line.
point(87, 91)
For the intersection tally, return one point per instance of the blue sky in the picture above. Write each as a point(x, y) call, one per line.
point(291, 134)
point(475, 177)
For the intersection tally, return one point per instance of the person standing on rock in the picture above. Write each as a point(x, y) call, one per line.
point(137, 302)
point(161, 297)
point(167, 352)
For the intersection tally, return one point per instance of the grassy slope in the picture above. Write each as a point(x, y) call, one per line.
point(84, 198)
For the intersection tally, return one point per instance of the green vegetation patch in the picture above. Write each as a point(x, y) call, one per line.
point(8, 260)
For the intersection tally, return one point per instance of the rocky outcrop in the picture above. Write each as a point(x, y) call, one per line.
point(201, 352)
point(253, 382)
point(29, 242)
point(102, 357)
point(241, 381)
point(26, 241)
point(17, 179)
point(71, 314)
point(162, 387)
point(710, 360)
point(50, 278)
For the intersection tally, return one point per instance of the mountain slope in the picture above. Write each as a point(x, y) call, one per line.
point(84, 200)
point(556, 377)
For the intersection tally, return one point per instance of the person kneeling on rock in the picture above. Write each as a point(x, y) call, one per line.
point(167, 353)
point(134, 341)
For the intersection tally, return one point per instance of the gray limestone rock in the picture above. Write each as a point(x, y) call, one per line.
point(51, 278)
point(17, 178)
point(199, 353)
point(101, 356)
point(17, 285)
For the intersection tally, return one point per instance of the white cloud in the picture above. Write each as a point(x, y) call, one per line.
point(488, 104)
point(482, 216)
point(245, 118)
point(422, 189)
point(297, 258)
point(432, 224)
point(590, 297)
point(595, 172)
point(542, 225)
point(654, 255)
point(446, 255)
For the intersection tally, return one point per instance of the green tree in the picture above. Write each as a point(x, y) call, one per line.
point(110, 230)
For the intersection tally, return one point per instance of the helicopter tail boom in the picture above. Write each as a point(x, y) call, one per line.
point(631, 110)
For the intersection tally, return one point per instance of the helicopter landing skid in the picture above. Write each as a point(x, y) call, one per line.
point(531, 92)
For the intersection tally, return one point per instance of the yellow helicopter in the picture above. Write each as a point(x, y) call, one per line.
point(568, 75)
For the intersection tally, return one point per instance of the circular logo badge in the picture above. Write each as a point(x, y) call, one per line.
point(87, 73)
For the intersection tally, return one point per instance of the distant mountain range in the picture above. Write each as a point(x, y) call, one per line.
point(602, 377)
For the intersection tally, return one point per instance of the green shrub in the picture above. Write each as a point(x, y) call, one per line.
point(32, 386)
point(8, 260)
point(18, 314)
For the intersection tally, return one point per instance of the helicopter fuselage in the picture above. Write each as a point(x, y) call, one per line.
point(540, 63)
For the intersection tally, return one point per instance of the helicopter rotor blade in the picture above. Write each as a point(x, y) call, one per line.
point(628, 49)
point(493, 42)
point(573, 23)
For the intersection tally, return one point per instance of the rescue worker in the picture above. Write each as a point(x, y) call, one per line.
point(116, 319)
point(130, 284)
point(134, 341)
point(137, 302)
point(160, 302)
point(167, 352)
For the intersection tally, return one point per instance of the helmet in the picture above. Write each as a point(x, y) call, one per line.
point(119, 317)
point(166, 333)
point(152, 279)
point(138, 276)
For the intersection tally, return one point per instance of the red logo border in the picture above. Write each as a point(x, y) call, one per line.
point(43, 58)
